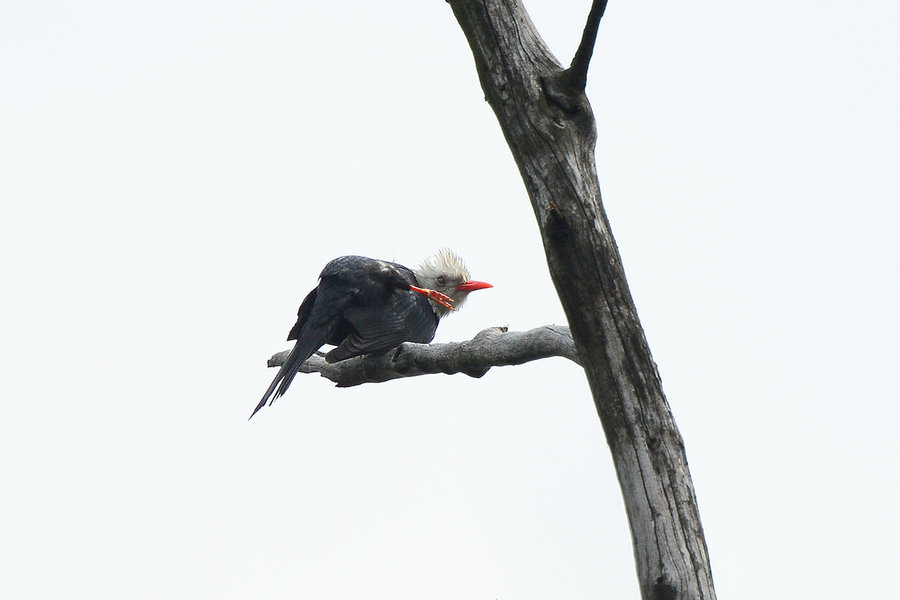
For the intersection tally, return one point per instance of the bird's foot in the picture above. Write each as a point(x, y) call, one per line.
point(438, 297)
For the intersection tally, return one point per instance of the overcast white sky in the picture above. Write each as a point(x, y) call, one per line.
point(174, 175)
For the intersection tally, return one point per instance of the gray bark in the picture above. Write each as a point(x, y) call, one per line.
point(550, 128)
point(492, 347)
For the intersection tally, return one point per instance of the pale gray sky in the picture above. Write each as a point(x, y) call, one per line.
point(173, 176)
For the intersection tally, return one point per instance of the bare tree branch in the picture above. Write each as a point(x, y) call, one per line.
point(493, 347)
point(577, 71)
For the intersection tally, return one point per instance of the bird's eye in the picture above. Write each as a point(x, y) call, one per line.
point(441, 280)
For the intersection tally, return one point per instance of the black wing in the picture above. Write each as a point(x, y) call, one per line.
point(404, 316)
point(383, 313)
point(311, 331)
point(318, 321)
point(303, 314)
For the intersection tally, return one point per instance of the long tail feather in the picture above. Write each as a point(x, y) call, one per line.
point(308, 343)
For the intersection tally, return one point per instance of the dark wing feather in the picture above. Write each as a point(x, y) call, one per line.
point(406, 316)
point(303, 314)
point(318, 320)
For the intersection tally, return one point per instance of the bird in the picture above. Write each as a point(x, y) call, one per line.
point(368, 306)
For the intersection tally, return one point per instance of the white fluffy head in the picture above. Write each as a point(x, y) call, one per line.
point(444, 272)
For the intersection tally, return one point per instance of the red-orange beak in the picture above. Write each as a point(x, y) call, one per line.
point(471, 286)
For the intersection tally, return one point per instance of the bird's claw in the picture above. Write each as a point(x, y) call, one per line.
point(438, 297)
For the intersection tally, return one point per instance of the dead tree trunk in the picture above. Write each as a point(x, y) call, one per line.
point(549, 126)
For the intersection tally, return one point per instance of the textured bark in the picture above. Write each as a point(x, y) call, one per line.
point(492, 347)
point(550, 128)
